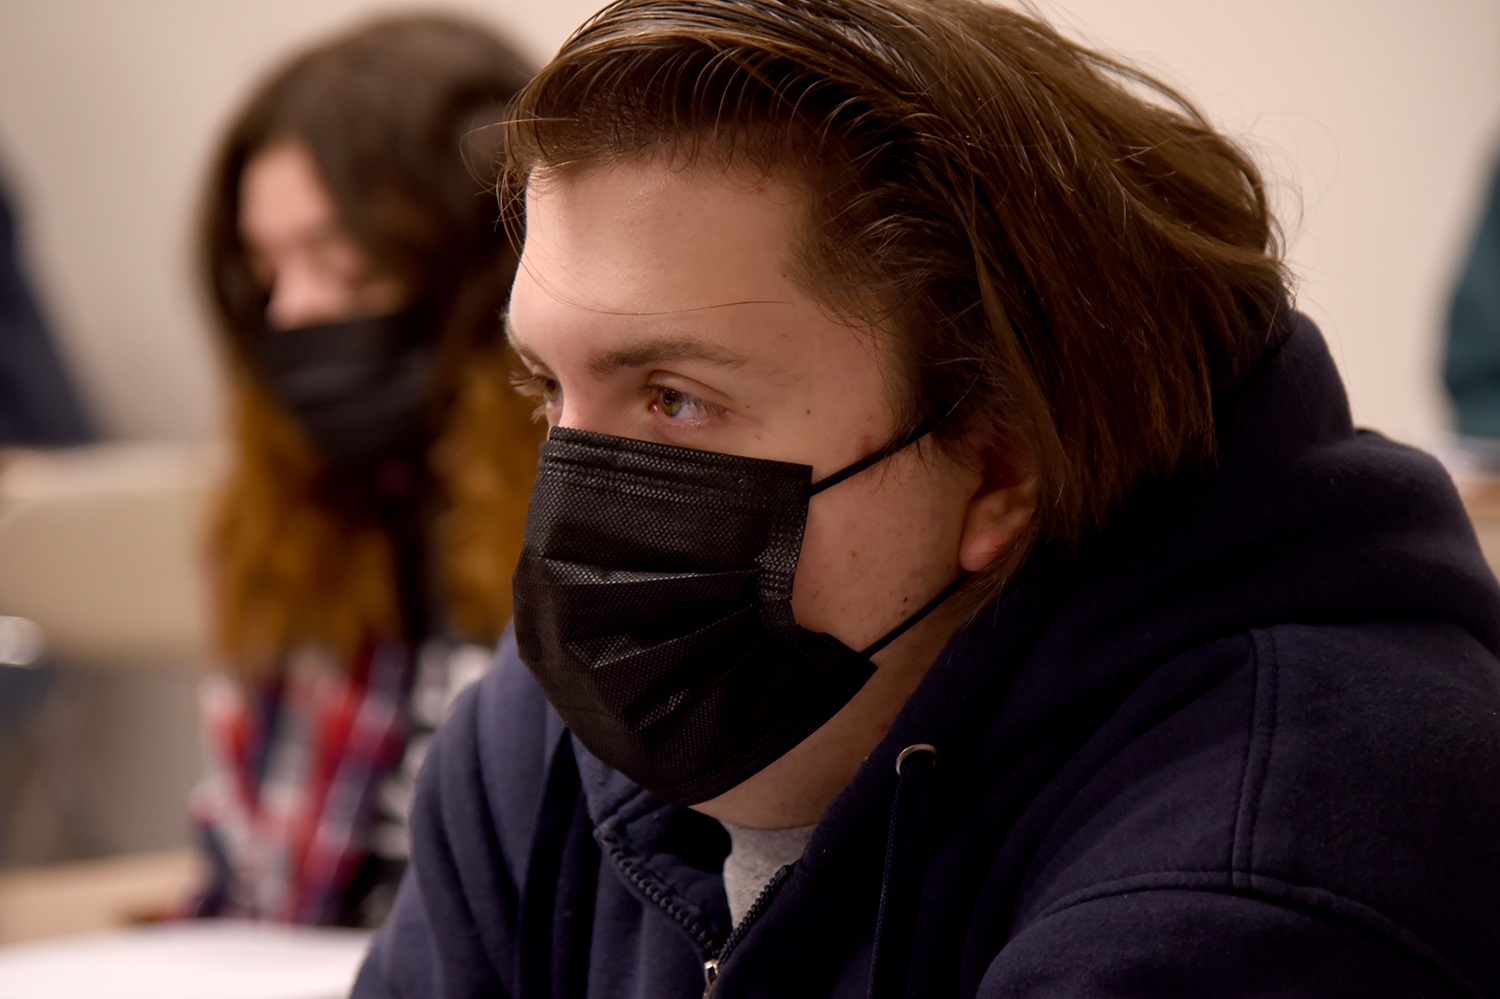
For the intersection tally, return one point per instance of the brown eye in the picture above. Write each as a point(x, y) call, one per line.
point(669, 402)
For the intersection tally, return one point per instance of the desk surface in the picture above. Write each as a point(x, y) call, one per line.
point(203, 959)
point(86, 896)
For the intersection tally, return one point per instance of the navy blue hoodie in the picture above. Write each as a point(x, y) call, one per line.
point(1243, 742)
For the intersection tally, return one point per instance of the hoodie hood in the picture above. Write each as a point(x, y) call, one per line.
point(1302, 518)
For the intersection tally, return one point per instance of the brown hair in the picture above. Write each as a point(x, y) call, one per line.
point(1070, 262)
point(394, 115)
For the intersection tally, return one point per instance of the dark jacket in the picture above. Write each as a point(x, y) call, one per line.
point(1244, 742)
point(38, 403)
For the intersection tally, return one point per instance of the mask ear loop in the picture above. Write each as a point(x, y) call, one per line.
point(923, 429)
point(906, 625)
point(901, 444)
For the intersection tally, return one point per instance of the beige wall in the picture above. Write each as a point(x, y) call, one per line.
point(1379, 121)
point(1382, 118)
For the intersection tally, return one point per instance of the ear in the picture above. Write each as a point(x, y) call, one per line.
point(999, 510)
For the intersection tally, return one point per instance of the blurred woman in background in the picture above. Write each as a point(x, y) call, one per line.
point(363, 548)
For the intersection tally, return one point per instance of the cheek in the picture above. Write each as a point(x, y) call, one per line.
point(876, 554)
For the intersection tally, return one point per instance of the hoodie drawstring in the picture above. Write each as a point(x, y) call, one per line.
point(897, 922)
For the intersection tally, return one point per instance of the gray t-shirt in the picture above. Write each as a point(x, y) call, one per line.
point(755, 855)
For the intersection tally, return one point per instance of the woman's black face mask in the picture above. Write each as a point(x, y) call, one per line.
point(653, 605)
point(359, 389)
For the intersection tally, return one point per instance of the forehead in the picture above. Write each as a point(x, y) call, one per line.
point(641, 271)
point(646, 236)
point(282, 195)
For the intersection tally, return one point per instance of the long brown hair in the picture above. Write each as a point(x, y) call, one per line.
point(1068, 263)
point(396, 117)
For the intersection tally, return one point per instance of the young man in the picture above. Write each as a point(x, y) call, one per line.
point(952, 570)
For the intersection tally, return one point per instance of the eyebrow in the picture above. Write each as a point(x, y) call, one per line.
point(651, 350)
point(666, 349)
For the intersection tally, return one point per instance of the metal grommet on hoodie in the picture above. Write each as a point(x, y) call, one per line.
point(919, 747)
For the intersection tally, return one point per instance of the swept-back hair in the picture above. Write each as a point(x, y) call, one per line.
point(396, 116)
point(1067, 262)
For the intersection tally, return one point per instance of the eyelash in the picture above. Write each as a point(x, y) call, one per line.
point(545, 389)
point(539, 387)
point(659, 403)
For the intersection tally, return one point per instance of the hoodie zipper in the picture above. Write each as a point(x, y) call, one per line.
point(626, 865)
point(711, 966)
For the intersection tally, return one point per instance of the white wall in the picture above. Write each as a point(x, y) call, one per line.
point(1383, 118)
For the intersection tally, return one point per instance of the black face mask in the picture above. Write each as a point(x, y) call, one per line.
point(653, 605)
point(358, 389)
